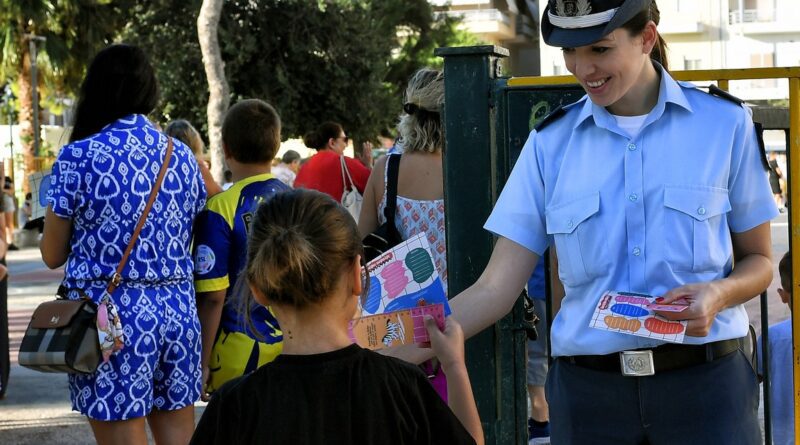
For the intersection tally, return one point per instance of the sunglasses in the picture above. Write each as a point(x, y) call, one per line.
point(344, 138)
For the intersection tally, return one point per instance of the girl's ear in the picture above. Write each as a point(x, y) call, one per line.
point(258, 295)
point(358, 286)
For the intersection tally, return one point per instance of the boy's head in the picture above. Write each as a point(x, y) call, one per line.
point(785, 271)
point(292, 159)
point(251, 133)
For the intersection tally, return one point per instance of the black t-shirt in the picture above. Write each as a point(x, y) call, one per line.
point(349, 396)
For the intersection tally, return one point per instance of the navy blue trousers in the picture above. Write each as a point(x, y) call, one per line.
point(711, 403)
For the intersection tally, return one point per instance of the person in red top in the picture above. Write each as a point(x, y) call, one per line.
point(323, 171)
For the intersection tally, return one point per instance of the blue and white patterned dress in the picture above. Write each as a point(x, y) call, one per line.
point(102, 183)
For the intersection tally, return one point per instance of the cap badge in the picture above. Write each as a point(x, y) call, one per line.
point(573, 8)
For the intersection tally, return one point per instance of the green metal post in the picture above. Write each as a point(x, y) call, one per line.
point(470, 160)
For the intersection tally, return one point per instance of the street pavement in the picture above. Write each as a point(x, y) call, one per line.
point(36, 409)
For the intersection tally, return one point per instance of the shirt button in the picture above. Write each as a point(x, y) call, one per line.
point(569, 224)
point(633, 197)
point(631, 147)
point(636, 251)
point(701, 211)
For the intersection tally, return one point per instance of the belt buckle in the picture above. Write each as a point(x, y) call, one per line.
point(637, 363)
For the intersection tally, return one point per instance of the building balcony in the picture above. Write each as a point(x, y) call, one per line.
point(494, 24)
point(764, 21)
point(460, 2)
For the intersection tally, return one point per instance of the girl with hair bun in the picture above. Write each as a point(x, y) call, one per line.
point(304, 262)
point(324, 171)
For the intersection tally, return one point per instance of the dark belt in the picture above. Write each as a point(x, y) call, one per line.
point(666, 357)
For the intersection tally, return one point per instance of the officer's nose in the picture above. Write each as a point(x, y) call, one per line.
point(584, 67)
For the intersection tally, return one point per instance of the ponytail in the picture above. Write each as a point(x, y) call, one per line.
point(637, 24)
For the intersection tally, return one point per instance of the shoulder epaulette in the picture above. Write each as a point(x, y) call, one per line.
point(555, 114)
point(762, 149)
point(722, 94)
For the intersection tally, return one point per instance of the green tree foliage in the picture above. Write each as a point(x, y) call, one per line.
point(341, 60)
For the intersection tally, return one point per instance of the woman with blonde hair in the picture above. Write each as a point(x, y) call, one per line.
point(419, 205)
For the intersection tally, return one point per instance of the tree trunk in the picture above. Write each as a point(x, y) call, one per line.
point(218, 90)
point(26, 118)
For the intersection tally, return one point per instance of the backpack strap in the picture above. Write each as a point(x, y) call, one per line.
point(392, 173)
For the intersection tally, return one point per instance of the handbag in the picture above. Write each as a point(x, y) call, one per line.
point(62, 335)
point(351, 198)
point(386, 235)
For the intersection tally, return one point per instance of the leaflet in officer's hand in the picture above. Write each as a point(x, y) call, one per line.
point(634, 314)
point(404, 285)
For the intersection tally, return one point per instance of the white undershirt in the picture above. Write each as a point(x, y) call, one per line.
point(631, 124)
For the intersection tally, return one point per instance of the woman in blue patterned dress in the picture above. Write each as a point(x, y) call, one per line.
point(101, 181)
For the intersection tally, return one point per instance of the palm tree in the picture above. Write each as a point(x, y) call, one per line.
point(73, 31)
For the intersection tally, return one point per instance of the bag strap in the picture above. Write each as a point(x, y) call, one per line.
point(392, 173)
point(346, 171)
point(117, 277)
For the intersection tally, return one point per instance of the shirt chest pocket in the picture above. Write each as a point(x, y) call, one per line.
point(580, 243)
point(696, 229)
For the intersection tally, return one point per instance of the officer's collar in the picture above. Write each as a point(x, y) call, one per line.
point(669, 92)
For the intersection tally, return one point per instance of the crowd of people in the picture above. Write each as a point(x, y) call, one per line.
point(240, 293)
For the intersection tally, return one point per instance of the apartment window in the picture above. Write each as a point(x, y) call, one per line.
point(763, 60)
point(691, 64)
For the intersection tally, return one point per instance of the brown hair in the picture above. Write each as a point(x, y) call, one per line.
point(785, 271)
point(318, 138)
point(186, 133)
point(301, 243)
point(636, 25)
point(252, 131)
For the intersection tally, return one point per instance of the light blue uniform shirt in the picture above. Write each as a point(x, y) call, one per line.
point(645, 215)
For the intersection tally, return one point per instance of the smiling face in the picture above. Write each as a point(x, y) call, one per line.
point(616, 71)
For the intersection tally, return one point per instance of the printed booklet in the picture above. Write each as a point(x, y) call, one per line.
point(404, 285)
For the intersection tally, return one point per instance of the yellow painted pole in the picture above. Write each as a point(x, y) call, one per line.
point(794, 242)
point(723, 84)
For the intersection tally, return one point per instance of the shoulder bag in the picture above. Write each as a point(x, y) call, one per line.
point(386, 235)
point(351, 198)
point(62, 335)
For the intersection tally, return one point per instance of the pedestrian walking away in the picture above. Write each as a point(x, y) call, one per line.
point(101, 181)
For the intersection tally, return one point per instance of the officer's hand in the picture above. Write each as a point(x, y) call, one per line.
point(705, 302)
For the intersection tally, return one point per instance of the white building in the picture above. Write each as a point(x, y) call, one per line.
point(716, 34)
point(512, 24)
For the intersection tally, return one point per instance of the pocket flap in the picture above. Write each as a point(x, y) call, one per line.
point(55, 314)
point(700, 204)
point(565, 217)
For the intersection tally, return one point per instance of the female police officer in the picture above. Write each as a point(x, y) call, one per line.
point(644, 185)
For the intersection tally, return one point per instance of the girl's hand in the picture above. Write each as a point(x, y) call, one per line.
point(204, 394)
point(448, 345)
point(706, 301)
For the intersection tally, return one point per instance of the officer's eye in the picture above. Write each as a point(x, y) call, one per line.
point(600, 49)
